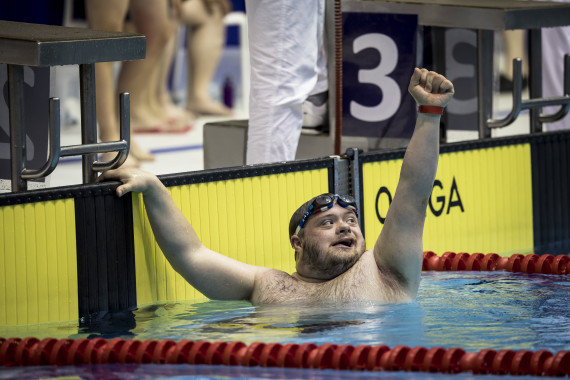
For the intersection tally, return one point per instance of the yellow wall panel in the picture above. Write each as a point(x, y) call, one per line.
point(481, 201)
point(39, 263)
point(246, 219)
point(8, 301)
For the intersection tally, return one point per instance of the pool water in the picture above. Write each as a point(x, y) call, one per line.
point(217, 372)
point(471, 310)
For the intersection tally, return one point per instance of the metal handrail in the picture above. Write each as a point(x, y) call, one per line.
point(54, 144)
point(125, 137)
point(563, 111)
point(519, 104)
point(517, 98)
point(56, 150)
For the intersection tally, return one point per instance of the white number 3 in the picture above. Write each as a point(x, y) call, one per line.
point(391, 94)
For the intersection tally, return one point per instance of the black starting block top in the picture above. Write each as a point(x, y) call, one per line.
point(51, 45)
point(476, 14)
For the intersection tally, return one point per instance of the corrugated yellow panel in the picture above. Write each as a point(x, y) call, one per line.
point(166, 278)
point(240, 243)
point(42, 261)
point(246, 219)
point(31, 262)
point(51, 244)
point(481, 201)
point(380, 180)
point(181, 286)
point(232, 199)
point(68, 271)
point(142, 261)
point(223, 225)
point(21, 288)
point(39, 263)
point(9, 301)
point(278, 232)
point(193, 211)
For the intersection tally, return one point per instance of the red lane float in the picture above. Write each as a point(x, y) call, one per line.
point(49, 351)
point(451, 261)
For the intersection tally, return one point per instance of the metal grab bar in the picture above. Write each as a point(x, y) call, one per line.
point(54, 144)
point(519, 104)
point(125, 137)
point(517, 98)
point(81, 149)
point(563, 111)
point(56, 150)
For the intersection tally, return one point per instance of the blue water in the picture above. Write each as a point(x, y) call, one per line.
point(207, 372)
point(471, 310)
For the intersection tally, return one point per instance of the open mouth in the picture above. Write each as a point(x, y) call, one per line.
point(344, 243)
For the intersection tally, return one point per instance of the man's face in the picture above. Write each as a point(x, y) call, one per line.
point(332, 242)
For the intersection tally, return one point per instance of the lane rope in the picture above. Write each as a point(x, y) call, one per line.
point(530, 263)
point(50, 351)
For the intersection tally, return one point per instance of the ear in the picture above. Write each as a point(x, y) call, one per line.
point(295, 242)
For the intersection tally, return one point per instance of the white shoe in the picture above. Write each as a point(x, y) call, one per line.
point(315, 116)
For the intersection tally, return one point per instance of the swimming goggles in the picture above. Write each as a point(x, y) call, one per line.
point(323, 203)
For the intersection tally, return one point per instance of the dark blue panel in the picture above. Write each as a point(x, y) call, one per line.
point(551, 203)
point(379, 55)
point(34, 11)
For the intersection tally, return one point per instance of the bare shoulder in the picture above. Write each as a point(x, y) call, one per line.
point(390, 284)
point(275, 286)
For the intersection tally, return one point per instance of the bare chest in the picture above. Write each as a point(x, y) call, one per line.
point(364, 281)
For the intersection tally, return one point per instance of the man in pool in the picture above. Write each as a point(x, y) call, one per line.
point(331, 260)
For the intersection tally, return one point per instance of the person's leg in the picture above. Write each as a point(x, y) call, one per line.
point(514, 41)
point(555, 44)
point(322, 70)
point(315, 108)
point(206, 38)
point(515, 48)
point(141, 78)
point(176, 115)
point(108, 15)
point(283, 39)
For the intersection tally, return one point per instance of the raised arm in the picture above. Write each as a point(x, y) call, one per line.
point(213, 274)
point(399, 247)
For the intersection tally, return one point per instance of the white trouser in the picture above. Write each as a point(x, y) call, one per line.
point(555, 44)
point(287, 60)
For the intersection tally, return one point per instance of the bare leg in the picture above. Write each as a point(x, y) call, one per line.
point(205, 44)
point(159, 103)
point(515, 48)
point(108, 15)
point(176, 115)
point(150, 18)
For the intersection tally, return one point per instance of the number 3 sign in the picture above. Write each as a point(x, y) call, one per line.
point(379, 54)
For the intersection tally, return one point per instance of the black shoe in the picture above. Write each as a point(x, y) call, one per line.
point(506, 85)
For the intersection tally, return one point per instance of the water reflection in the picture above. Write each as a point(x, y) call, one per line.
point(496, 310)
point(359, 322)
point(471, 310)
